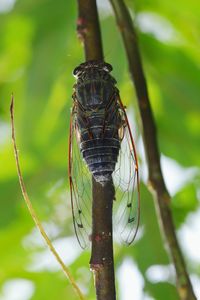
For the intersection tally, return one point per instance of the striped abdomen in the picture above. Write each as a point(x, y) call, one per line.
point(100, 144)
point(101, 156)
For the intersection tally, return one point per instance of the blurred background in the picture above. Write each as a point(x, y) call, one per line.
point(38, 52)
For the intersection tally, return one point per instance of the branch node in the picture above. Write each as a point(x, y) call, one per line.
point(81, 29)
point(96, 267)
point(102, 236)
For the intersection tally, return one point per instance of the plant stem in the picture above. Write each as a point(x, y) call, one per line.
point(32, 210)
point(101, 262)
point(156, 180)
point(88, 29)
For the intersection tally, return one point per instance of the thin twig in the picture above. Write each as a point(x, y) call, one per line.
point(101, 262)
point(156, 180)
point(33, 213)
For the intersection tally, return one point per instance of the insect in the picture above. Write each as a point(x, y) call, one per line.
point(101, 145)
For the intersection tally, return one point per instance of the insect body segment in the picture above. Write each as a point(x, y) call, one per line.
point(98, 119)
point(101, 145)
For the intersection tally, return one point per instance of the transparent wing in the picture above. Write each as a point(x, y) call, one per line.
point(80, 187)
point(126, 181)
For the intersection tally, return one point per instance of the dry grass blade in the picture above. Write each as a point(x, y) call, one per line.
point(32, 211)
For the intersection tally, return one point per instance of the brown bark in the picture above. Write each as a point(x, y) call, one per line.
point(156, 181)
point(101, 262)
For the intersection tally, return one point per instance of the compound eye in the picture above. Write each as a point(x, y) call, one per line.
point(77, 71)
point(107, 67)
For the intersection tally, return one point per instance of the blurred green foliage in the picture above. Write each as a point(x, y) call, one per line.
point(38, 51)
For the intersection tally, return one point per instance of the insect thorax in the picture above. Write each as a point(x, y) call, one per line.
point(95, 86)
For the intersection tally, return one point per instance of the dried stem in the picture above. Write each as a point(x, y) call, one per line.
point(156, 180)
point(101, 262)
point(33, 213)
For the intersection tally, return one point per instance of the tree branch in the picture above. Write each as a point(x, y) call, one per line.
point(88, 29)
point(156, 180)
point(101, 262)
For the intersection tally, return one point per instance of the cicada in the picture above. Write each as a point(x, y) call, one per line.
point(101, 145)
